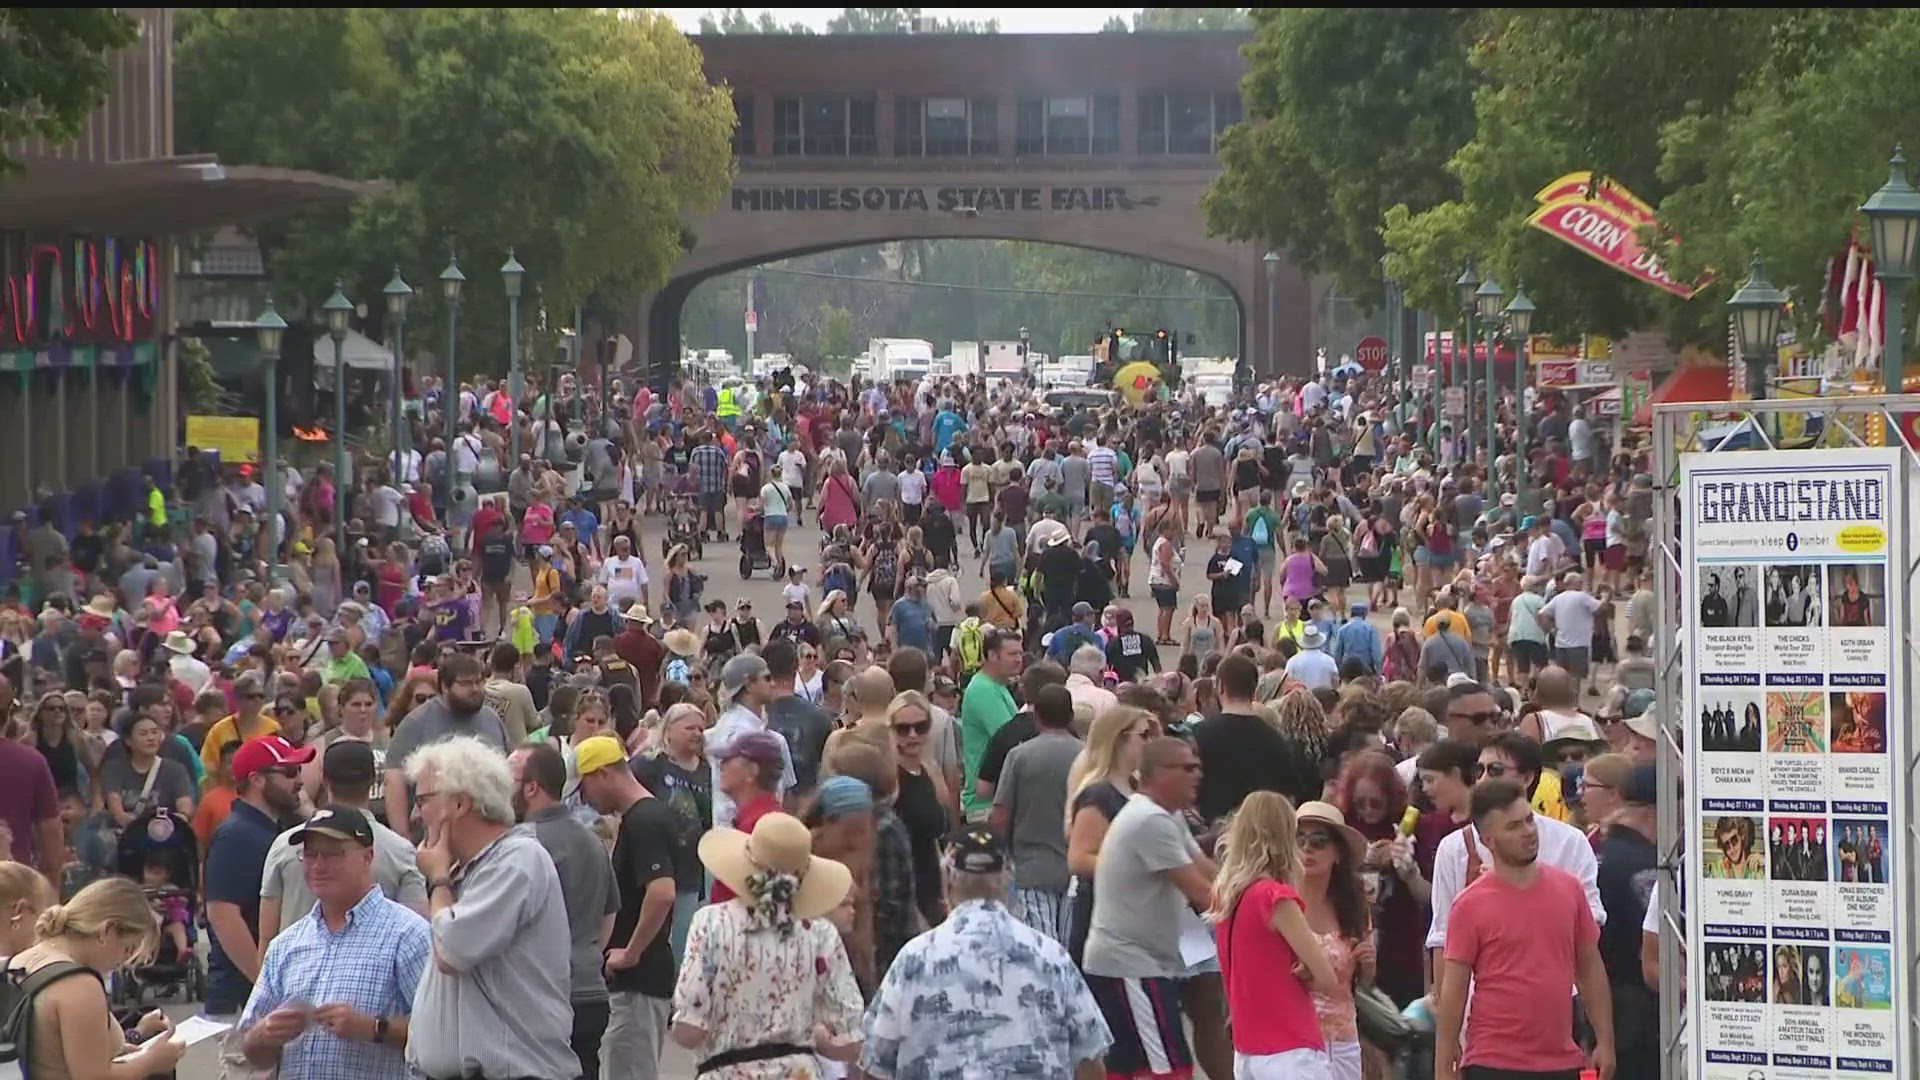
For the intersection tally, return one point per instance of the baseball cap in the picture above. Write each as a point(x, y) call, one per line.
point(738, 672)
point(763, 748)
point(349, 761)
point(976, 851)
point(597, 753)
point(338, 823)
point(1082, 609)
point(1642, 787)
point(267, 752)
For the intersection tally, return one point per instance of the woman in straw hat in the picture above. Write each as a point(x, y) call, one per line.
point(1331, 852)
point(766, 984)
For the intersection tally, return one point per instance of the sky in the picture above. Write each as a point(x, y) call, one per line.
point(1012, 20)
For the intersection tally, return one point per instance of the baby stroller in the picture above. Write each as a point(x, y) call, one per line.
point(161, 837)
point(753, 545)
point(683, 527)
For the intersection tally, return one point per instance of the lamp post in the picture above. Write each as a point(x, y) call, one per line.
point(398, 293)
point(1487, 302)
point(1464, 286)
point(512, 274)
point(1520, 318)
point(268, 329)
point(1270, 263)
point(1894, 214)
point(1756, 307)
point(1395, 330)
point(339, 310)
point(451, 281)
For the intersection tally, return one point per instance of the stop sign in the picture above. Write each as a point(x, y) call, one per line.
point(1371, 353)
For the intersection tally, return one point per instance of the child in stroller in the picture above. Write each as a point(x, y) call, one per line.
point(158, 850)
point(753, 541)
point(683, 527)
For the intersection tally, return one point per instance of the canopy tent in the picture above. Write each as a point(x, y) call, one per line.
point(358, 350)
point(1689, 382)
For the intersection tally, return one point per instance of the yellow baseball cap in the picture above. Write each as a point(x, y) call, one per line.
point(597, 753)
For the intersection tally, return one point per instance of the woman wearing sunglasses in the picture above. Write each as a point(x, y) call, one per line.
point(921, 800)
point(1398, 858)
point(1336, 905)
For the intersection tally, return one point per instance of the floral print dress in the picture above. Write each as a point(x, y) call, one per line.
point(749, 987)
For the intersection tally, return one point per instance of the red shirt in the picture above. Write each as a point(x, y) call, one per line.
point(1522, 946)
point(748, 814)
point(1271, 1010)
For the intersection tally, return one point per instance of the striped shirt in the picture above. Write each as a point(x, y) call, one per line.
point(1105, 465)
point(373, 964)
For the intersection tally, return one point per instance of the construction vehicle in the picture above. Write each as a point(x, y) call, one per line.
point(1117, 348)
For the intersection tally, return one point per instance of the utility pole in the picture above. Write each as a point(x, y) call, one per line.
point(753, 324)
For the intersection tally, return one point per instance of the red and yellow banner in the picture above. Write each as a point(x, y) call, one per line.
point(1600, 218)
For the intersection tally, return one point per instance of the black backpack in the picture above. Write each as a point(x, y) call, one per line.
point(17, 993)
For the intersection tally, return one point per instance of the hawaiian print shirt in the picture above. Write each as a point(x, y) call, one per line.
point(982, 995)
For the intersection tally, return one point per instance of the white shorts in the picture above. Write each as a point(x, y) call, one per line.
point(1301, 1064)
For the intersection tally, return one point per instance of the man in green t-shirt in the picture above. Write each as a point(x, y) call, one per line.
point(1263, 528)
point(985, 709)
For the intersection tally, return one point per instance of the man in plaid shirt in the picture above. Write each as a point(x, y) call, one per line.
point(709, 465)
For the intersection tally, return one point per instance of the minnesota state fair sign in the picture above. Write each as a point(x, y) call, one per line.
point(1795, 712)
point(1600, 218)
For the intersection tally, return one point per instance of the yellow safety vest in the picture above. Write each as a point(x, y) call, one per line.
point(727, 405)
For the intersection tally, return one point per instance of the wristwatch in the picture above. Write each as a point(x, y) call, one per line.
point(380, 1029)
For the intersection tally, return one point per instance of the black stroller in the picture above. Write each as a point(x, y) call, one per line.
point(163, 839)
point(753, 545)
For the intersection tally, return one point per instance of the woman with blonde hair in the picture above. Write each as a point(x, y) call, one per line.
point(835, 618)
point(1261, 931)
point(921, 799)
point(326, 576)
point(1204, 633)
point(105, 927)
point(1098, 786)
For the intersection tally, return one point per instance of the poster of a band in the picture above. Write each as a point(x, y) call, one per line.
point(1798, 880)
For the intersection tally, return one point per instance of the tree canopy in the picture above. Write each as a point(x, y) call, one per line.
point(1426, 134)
point(1175, 19)
point(578, 136)
point(53, 70)
point(849, 21)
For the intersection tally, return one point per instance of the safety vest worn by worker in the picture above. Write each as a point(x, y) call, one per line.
point(728, 406)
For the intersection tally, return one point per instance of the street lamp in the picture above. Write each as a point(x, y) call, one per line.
point(512, 274)
point(339, 310)
point(1487, 302)
point(1520, 320)
point(451, 281)
point(1464, 287)
point(1756, 308)
point(268, 329)
point(1894, 213)
point(398, 293)
point(1270, 262)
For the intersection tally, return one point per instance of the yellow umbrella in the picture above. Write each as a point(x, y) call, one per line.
point(1137, 382)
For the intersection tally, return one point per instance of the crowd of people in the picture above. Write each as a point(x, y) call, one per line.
point(489, 791)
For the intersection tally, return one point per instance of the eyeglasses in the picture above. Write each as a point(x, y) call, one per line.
point(1314, 840)
point(696, 676)
point(920, 728)
point(288, 772)
point(1368, 802)
point(1495, 770)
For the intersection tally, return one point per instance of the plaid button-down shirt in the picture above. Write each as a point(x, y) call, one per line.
point(373, 964)
point(893, 907)
point(709, 465)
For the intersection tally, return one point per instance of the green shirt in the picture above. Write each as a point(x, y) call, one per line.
point(1272, 519)
point(985, 709)
point(1051, 503)
point(346, 667)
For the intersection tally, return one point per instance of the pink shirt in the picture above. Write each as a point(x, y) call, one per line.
point(1271, 1009)
point(1297, 576)
point(1522, 946)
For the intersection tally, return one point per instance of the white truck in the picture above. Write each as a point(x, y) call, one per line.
point(900, 358)
point(1065, 371)
point(766, 364)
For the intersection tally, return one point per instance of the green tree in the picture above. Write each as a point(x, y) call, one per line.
point(1207, 19)
point(737, 21)
point(1350, 112)
point(53, 70)
point(579, 136)
point(904, 21)
point(836, 340)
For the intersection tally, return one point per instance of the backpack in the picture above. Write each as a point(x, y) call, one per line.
point(970, 642)
point(1260, 531)
point(840, 576)
point(886, 568)
point(1369, 541)
point(17, 994)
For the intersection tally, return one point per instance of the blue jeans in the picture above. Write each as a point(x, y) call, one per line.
point(684, 905)
point(543, 628)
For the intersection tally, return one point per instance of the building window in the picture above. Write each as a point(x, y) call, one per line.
point(1227, 112)
point(1153, 123)
point(743, 123)
point(1069, 125)
point(947, 127)
point(1189, 123)
point(908, 128)
point(1030, 136)
point(786, 125)
point(1106, 123)
point(984, 118)
point(826, 126)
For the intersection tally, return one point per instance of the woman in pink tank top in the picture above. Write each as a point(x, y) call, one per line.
point(1269, 955)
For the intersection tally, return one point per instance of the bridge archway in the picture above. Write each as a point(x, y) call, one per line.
point(1146, 212)
point(1195, 313)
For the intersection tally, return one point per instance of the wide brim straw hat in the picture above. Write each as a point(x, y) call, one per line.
point(681, 642)
point(781, 844)
point(1330, 815)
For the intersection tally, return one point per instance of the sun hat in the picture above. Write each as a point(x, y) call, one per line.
point(598, 753)
point(101, 605)
point(1330, 815)
point(1312, 637)
point(681, 642)
point(638, 613)
point(779, 846)
point(178, 642)
point(1644, 726)
point(1580, 732)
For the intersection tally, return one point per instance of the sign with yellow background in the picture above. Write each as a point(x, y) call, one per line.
point(235, 438)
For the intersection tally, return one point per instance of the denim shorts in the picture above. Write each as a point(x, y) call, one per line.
point(776, 522)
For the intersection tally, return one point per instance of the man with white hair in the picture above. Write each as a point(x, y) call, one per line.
point(1084, 671)
point(495, 1002)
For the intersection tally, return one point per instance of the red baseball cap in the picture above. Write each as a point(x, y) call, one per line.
point(267, 752)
